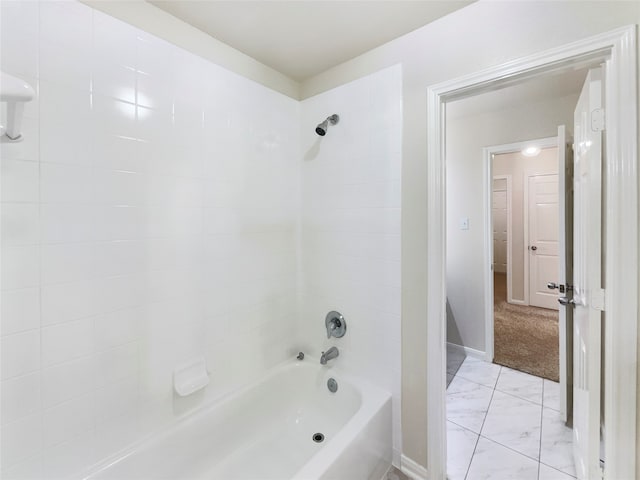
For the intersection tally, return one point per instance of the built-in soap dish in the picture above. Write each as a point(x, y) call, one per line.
point(190, 377)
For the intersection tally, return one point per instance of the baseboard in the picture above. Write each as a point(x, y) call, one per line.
point(412, 469)
point(469, 352)
point(516, 302)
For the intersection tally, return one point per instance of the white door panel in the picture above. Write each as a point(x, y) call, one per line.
point(500, 184)
point(500, 199)
point(565, 271)
point(543, 239)
point(587, 271)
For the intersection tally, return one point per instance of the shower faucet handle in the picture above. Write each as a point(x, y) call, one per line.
point(335, 324)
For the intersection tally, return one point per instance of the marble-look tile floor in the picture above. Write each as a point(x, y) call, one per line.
point(505, 424)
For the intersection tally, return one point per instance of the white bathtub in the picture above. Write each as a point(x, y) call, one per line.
point(265, 432)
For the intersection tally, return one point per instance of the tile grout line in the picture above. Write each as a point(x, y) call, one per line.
point(503, 445)
point(498, 443)
point(541, 432)
point(557, 469)
point(471, 459)
point(482, 426)
point(463, 427)
point(478, 435)
point(511, 449)
point(523, 399)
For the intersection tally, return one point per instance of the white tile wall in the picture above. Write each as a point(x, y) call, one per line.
point(149, 217)
point(161, 208)
point(350, 228)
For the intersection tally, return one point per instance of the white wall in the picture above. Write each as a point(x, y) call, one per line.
point(149, 217)
point(479, 36)
point(466, 136)
point(350, 228)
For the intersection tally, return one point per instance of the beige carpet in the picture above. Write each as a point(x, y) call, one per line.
point(525, 338)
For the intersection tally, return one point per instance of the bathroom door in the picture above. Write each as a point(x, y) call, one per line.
point(587, 297)
point(565, 271)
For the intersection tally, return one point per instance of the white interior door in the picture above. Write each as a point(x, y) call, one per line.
point(565, 271)
point(543, 213)
point(500, 219)
point(588, 296)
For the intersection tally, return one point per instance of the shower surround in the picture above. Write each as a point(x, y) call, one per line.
point(161, 209)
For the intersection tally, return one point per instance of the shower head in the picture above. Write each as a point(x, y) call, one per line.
point(322, 128)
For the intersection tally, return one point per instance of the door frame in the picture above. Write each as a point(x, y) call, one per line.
point(527, 258)
point(617, 49)
point(487, 156)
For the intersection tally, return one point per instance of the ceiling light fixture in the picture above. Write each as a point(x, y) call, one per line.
point(531, 151)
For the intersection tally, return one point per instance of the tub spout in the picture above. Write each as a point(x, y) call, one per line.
point(329, 355)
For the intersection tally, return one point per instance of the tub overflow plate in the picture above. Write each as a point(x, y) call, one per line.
point(332, 385)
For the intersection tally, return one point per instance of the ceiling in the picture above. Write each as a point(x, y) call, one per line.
point(301, 38)
point(546, 87)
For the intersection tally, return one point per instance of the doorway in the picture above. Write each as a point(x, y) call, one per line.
point(522, 318)
point(617, 50)
point(501, 404)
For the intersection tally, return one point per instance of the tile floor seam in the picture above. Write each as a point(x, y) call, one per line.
point(468, 380)
point(509, 448)
point(464, 428)
point(520, 398)
point(478, 434)
point(471, 459)
point(488, 407)
point(557, 469)
point(541, 432)
point(502, 444)
point(471, 381)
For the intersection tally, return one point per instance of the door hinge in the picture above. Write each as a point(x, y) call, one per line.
point(598, 122)
point(597, 299)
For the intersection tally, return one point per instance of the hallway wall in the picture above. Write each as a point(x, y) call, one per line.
point(466, 137)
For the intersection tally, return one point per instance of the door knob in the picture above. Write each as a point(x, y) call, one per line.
point(567, 301)
point(552, 285)
point(534, 248)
